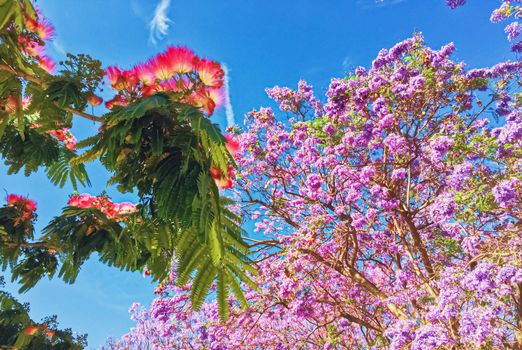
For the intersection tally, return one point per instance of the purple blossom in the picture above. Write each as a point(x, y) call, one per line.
point(506, 193)
point(513, 30)
point(440, 146)
point(470, 245)
point(502, 106)
point(400, 333)
point(398, 174)
point(501, 13)
point(314, 182)
point(431, 337)
point(480, 279)
point(358, 220)
point(517, 47)
point(395, 143)
point(460, 175)
point(476, 326)
point(443, 208)
point(453, 4)
point(336, 95)
point(387, 121)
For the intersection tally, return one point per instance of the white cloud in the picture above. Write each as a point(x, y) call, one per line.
point(58, 47)
point(229, 111)
point(367, 4)
point(347, 63)
point(159, 25)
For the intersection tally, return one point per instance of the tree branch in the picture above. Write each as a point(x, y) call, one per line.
point(357, 277)
point(43, 84)
point(25, 245)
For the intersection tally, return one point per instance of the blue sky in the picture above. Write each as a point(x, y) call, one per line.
point(263, 43)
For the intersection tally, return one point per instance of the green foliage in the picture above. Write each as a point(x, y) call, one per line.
point(65, 92)
point(164, 149)
point(34, 150)
point(11, 11)
point(14, 319)
point(156, 147)
point(62, 169)
point(85, 70)
point(29, 151)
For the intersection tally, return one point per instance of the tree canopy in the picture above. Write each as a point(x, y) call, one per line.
point(155, 139)
point(388, 212)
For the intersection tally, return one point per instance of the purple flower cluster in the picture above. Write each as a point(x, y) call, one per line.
point(392, 214)
point(453, 4)
point(513, 30)
point(506, 193)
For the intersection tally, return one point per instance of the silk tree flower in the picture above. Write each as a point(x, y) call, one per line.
point(125, 208)
point(232, 145)
point(26, 206)
point(176, 60)
point(222, 180)
point(207, 99)
point(83, 201)
point(47, 63)
point(40, 26)
point(145, 74)
point(31, 330)
point(113, 211)
point(64, 135)
point(94, 100)
point(210, 73)
point(115, 77)
point(30, 47)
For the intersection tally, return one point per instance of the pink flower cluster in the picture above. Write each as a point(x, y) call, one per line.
point(64, 135)
point(26, 206)
point(44, 32)
point(12, 105)
point(113, 211)
point(224, 180)
point(177, 70)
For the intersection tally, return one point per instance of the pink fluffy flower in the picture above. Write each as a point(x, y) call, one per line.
point(125, 208)
point(232, 145)
point(210, 73)
point(25, 205)
point(83, 201)
point(41, 27)
point(47, 63)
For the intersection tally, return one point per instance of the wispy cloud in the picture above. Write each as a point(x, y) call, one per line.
point(347, 63)
point(377, 3)
point(159, 25)
point(58, 47)
point(229, 111)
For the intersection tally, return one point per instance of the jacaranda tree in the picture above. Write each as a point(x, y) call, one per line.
point(156, 140)
point(391, 216)
point(388, 214)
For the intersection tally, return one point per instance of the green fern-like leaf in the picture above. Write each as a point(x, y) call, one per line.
point(222, 295)
point(201, 284)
